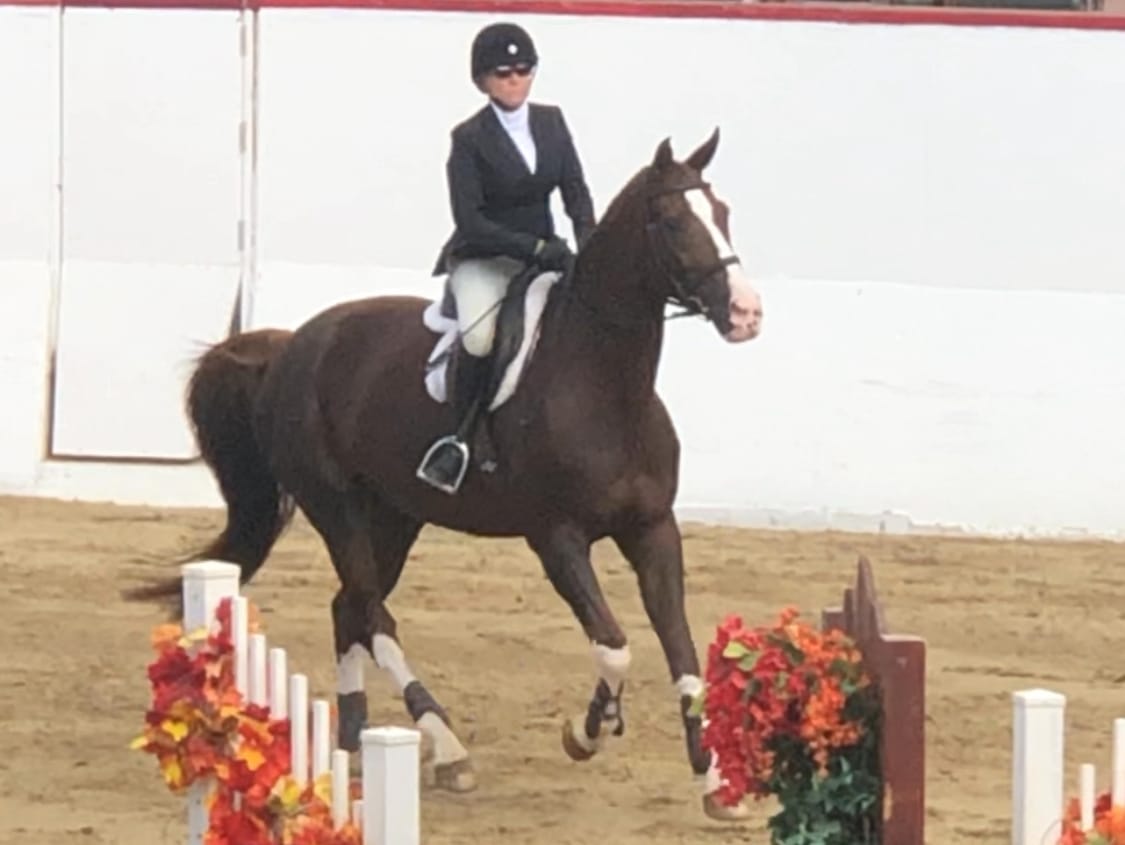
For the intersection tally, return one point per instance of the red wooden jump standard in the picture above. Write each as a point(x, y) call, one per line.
point(897, 664)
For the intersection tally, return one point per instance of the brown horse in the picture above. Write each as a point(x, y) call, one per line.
point(334, 417)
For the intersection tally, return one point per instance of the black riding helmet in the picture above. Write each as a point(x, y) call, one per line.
point(501, 44)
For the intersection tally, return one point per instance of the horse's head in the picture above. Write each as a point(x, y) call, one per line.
point(690, 242)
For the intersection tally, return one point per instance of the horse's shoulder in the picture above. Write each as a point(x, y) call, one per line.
point(661, 425)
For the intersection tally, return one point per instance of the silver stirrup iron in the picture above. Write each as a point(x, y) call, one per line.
point(446, 442)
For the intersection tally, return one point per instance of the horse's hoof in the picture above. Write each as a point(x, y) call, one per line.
point(573, 747)
point(713, 808)
point(457, 776)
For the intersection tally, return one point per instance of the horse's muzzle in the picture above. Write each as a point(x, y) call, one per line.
point(745, 315)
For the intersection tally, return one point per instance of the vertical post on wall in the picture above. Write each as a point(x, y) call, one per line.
point(247, 233)
point(55, 228)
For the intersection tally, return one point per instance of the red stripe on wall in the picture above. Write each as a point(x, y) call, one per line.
point(857, 13)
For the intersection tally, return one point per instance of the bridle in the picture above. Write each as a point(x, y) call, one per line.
point(685, 281)
point(685, 296)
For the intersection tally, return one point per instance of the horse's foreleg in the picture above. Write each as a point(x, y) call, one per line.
point(656, 554)
point(565, 554)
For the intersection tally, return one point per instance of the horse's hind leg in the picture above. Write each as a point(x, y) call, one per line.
point(565, 554)
point(453, 768)
point(342, 520)
point(364, 626)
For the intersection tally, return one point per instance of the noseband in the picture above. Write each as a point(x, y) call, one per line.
point(685, 281)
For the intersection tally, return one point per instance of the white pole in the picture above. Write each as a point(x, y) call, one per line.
point(258, 689)
point(391, 812)
point(340, 797)
point(299, 727)
point(1118, 770)
point(240, 642)
point(1038, 729)
point(240, 638)
point(279, 684)
point(321, 737)
point(1086, 786)
point(205, 585)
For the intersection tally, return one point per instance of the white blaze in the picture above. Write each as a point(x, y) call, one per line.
point(701, 206)
point(745, 304)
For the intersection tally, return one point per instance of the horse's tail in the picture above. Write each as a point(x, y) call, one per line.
point(220, 405)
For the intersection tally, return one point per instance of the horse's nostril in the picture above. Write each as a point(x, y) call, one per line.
point(743, 310)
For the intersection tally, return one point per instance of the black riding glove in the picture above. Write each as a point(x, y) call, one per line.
point(554, 255)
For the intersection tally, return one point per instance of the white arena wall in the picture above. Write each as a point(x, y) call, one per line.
point(933, 213)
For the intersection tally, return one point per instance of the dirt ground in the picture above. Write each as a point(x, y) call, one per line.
point(483, 627)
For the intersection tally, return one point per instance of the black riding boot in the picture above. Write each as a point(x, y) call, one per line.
point(447, 460)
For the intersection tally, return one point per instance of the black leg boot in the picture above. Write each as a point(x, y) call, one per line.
point(447, 460)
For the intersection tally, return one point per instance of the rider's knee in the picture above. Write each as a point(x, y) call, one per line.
point(478, 340)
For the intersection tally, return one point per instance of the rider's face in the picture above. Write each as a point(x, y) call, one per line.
point(509, 85)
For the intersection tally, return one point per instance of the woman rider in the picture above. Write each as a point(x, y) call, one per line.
point(505, 161)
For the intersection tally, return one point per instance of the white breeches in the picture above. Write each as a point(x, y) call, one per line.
point(478, 285)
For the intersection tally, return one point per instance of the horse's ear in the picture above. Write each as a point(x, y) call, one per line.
point(663, 156)
point(702, 156)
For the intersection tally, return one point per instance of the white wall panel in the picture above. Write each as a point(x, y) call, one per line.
point(126, 353)
point(978, 409)
point(28, 106)
point(933, 213)
point(918, 154)
point(150, 213)
point(27, 103)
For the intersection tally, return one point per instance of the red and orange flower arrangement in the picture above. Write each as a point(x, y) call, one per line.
point(790, 713)
point(199, 727)
point(1109, 824)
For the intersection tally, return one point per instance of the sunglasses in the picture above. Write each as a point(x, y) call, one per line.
point(505, 71)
